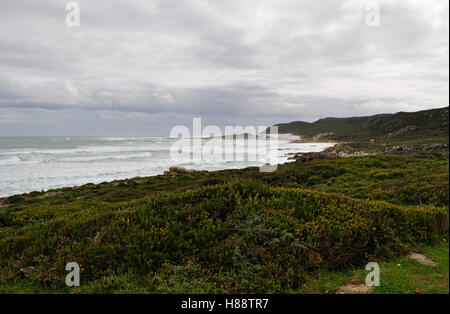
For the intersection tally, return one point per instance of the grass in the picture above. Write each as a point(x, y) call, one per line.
point(404, 180)
point(305, 228)
point(395, 279)
point(426, 126)
point(400, 275)
point(228, 238)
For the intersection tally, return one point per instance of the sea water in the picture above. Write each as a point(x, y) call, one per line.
point(43, 163)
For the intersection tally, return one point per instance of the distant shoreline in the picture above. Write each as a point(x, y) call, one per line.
point(60, 164)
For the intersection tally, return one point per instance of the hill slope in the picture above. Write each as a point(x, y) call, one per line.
point(425, 124)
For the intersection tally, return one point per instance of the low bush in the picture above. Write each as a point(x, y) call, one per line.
point(234, 237)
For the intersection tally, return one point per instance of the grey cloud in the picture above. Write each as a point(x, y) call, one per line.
point(259, 61)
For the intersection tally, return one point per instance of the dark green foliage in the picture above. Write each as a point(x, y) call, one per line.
point(404, 125)
point(5, 220)
point(236, 230)
point(398, 179)
point(231, 237)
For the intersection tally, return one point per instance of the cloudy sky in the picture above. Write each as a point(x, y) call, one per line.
point(139, 67)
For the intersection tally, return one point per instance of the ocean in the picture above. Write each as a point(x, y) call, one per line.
point(43, 163)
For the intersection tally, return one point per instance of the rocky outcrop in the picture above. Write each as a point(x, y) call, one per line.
point(435, 146)
point(305, 157)
point(410, 147)
point(400, 148)
point(402, 131)
point(176, 170)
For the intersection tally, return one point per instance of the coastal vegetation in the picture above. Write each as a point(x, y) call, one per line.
point(401, 127)
point(308, 227)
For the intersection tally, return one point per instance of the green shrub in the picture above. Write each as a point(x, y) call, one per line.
point(234, 237)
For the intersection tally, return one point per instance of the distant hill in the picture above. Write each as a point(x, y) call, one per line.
point(403, 125)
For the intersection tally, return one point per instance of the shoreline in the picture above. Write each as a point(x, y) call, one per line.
point(285, 137)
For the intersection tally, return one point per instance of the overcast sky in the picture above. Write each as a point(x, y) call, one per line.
point(140, 67)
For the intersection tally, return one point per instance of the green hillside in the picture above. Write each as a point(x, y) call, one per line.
point(425, 124)
point(301, 228)
point(229, 231)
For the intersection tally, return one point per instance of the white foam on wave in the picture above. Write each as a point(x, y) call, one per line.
point(145, 155)
point(128, 138)
point(14, 160)
point(85, 150)
point(27, 169)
